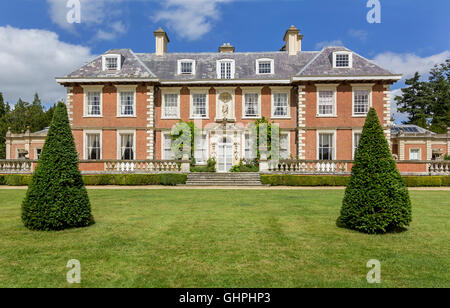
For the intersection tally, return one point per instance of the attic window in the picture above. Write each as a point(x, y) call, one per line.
point(111, 62)
point(264, 66)
point(186, 67)
point(342, 59)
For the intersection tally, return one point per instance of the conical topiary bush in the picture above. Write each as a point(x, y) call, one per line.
point(376, 199)
point(56, 198)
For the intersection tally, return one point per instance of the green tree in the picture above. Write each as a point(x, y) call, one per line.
point(427, 103)
point(439, 83)
point(376, 199)
point(56, 198)
point(415, 101)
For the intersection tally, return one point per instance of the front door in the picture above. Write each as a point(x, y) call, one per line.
point(225, 159)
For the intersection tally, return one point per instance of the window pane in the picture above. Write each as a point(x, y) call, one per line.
point(225, 70)
point(168, 152)
point(126, 103)
point(326, 146)
point(326, 102)
point(127, 147)
point(356, 138)
point(284, 146)
point(342, 60)
point(414, 154)
point(200, 149)
point(280, 104)
point(93, 103)
point(93, 146)
point(186, 67)
point(265, 67)
point(171, 105)
point(199, 105)
point(361, 103)
point(251, 105)
point(111, 63)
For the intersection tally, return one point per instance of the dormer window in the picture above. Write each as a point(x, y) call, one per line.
point(342, 59)
point(264, 66)
point(112, 62)
point(186, 67)
point(225, 69)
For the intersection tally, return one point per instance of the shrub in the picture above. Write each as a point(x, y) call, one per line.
point(209, 167)
point(376, 199)
point(135, 179)
point(18, 179)
point(56, 198)
point(246, 166)
point(304, 180)
point(2, 179)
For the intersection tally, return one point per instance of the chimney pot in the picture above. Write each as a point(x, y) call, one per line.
point(226, 47)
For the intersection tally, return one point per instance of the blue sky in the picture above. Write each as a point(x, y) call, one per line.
point(413, 35)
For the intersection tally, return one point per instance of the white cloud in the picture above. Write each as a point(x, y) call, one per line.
point(102, 14)
point(31, 59)
point(190, 19)
point(323, 44)
point(115, 30)
point(409, 63)
point(359, 34)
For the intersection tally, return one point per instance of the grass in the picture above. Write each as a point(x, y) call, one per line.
point(224, 238)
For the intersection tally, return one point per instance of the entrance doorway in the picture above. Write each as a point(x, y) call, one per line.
point(225, 155)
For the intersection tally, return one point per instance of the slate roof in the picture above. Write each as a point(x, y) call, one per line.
point(322, 65)
point(410, 129)
point(164, 68)
point(132, 67)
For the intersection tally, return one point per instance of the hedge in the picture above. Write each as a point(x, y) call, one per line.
point(168, 179)
point(340, 180)
point(273, 180)
point(135, 179)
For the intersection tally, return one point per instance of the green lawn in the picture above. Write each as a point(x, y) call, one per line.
point(224, 238)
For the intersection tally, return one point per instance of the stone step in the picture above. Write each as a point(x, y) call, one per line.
point(223, 179)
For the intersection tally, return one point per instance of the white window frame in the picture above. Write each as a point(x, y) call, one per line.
point(361, 87)
point(420, 153)
point(218, 68)
point(119, 61)
point(126, 88)
point(85, 142)
point(272, 66)
point(318, 132)
point(244, 145)
point(164, 135)
point(350, 58)
point(327, 87)
point(207, 149)
point(354, 132)
point(251, 90)
point(86, 90)
point(36, 153)
point(191, 102)
point(186, 61)
point(119, 140)
point(288, 134)
point(165, 91)
point(275, 90)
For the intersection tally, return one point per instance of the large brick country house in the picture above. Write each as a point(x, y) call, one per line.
point(123, 104)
